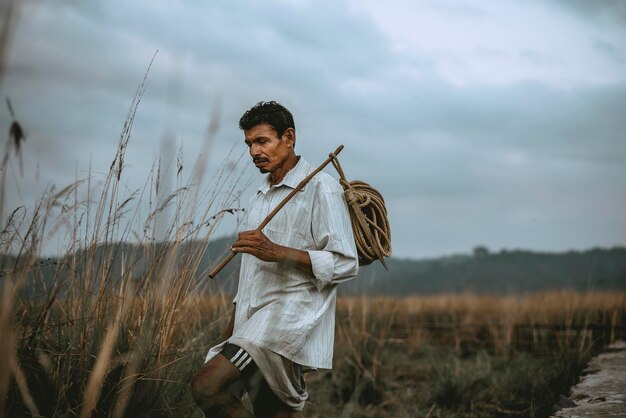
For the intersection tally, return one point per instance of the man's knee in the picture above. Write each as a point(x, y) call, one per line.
point(203, 384)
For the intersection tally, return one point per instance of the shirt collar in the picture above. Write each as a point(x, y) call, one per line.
point(291, 179)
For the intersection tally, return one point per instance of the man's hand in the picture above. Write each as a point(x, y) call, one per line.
point(256, 243)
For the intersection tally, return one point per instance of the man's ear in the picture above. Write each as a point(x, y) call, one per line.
point(289, 136)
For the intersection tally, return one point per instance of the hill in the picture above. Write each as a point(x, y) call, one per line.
point(504, 272)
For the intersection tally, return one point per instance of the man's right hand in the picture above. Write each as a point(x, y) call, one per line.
point(258, 244)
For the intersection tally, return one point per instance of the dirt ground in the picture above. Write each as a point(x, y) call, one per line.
point(602, 391)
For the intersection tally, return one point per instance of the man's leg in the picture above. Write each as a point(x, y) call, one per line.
point(265, 402)
point(217, 387)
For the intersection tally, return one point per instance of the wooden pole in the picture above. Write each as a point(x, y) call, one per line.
point(273, 213)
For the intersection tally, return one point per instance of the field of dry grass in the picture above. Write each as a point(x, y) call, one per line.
point(463, 355)
point(451, 355)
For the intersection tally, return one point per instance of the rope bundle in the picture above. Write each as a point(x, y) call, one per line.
point(366, 203)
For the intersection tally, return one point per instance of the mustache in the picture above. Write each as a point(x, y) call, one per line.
point(259, 160)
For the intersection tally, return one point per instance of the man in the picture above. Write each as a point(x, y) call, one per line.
point(284, 317)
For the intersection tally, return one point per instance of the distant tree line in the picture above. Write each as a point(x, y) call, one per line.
point(484, 271)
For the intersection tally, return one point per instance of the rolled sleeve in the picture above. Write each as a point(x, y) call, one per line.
point(329, 267)
point(323, 267)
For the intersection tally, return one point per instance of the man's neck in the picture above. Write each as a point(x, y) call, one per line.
point(279, 174)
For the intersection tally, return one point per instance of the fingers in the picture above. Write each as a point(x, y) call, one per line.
point(246, 249)
point(251, 233)
point(246, 243)
point(250, 242)
point(254, 237)
point(255, 243)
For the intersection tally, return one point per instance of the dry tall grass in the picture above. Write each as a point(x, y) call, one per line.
point(108, 328)
point(498, 323)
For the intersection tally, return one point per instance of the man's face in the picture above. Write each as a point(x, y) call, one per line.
point(268, 151)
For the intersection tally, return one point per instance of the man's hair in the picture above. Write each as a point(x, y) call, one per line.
point(272, 113)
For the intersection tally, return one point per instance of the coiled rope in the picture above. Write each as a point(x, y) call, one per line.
point(368, 215)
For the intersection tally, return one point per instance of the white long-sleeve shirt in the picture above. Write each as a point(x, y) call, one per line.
point(279, 307)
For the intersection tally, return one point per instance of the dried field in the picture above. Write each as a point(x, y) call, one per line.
point(463, 355)
point(451, 355)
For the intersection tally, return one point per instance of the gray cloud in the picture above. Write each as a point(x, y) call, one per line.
point(601, 11)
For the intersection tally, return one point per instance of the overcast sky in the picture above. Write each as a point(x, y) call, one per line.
point(501, 123)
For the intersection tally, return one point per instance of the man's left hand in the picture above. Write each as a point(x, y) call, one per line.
point(256, 243)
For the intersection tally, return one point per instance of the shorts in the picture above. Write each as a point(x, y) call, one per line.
point(270, 380)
